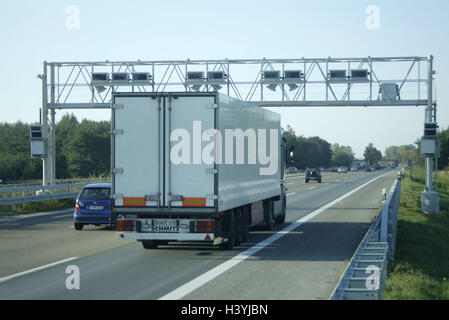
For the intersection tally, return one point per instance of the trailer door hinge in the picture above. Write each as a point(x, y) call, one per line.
point(153, 197)
point(117, 196)
point(117, 131)
point(211, 171)
point(118, 106)
point(211, 197)
point(117, 170)
point(174, 197)
point(212, 106)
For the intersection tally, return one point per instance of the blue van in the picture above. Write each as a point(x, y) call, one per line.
point(93, 205)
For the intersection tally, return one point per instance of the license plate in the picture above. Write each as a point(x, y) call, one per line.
point(162, 225)
point(165, 223)
point(96, 207)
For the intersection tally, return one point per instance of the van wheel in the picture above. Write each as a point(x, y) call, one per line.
point(79, 226)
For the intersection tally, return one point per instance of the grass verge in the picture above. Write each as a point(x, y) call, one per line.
point(421, 266)
point(33, 207)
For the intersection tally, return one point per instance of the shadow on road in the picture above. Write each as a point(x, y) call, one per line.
point(312, 241)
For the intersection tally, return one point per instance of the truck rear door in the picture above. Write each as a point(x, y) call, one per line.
point(137, 124)
point(189, 181)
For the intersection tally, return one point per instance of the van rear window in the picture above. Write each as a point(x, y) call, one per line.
point(95, 194)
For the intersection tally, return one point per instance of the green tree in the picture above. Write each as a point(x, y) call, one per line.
point(372, 155)
point(443, 160)
point(307, 152)
point(82, 149)
point(342, 155)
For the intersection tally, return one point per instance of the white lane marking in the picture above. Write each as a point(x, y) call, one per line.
point(312, 188)
point(326, 183)
point(36, 269)
point(201, 280)
point(289, 194)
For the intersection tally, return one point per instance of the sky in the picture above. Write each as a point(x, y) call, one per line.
point(35, 31)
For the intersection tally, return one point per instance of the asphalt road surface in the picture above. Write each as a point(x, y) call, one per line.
point(301, 259)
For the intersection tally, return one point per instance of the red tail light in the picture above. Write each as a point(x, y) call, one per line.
point(125, 225)
point(77, 207)
point(205, 226)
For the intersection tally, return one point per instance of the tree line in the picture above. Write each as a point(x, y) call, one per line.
point(413, 151)
point(315, 152)
point(83, 149)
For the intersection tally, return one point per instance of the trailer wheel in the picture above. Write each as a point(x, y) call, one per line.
point(246, 223)
point(281, 218)
point(229, 244)
point(79, 226)
point(238, 226)
point(149, 244)
point(268, 214)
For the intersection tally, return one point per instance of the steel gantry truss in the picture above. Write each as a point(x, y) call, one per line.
point(299, 82)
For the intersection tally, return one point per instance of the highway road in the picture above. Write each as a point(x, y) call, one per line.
point(301, 259)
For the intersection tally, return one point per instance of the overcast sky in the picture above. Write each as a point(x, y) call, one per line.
point(34, 31)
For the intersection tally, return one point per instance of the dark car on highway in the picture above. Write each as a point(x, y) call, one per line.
point(313, 174)
point(93, 206)
point(291, 170)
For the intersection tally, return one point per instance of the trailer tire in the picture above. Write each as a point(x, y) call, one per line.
point(281, 218)
point(149, 244)
point(238, 226)
point(246, 223)
point(229, 244)
point(268, 214)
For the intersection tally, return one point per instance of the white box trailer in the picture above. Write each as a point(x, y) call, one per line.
point(194, 167)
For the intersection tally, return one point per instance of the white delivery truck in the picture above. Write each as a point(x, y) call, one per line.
point(194, 167)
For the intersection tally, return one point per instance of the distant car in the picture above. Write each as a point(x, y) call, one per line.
point(291, 170)
point(93, 206)
point(367, 169)
point(342, 170)
point(313, 174)
point(372, 168)
point(354, 168)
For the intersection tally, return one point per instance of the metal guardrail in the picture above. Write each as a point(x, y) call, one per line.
point(365, 276)
point(34, 193)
